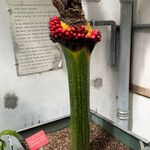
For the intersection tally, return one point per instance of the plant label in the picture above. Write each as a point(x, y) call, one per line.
point(37, 140)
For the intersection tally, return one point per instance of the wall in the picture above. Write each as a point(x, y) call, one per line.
point(140, 69)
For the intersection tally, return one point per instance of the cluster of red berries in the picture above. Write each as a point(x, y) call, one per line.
point(58, 33)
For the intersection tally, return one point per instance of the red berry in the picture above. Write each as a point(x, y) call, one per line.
point(93, 36)
point(64, 31)
point(82, 35)
point(72, 28)
point(76, 37)
point(55, 36)
point(98, 36)
point(74, 34)
point(60, 29)
point(57, 31)
point(71, 32)
point(52, 32)
point(69, 37)
point(58, 25)
point(56, 22)
point(51, 29)
point(55, 18)
point(51, 23)
point(67, 33)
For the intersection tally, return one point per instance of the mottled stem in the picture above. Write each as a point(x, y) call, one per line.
point(78, 63)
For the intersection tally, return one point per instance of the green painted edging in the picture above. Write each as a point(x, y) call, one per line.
point(52, 126)
point(124, 136)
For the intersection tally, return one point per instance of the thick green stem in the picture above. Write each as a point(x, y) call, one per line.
point(78, 74)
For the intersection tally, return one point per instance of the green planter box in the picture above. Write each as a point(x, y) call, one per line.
point(126, 137)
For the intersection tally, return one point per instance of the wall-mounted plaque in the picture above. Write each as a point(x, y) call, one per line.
point(34, 52)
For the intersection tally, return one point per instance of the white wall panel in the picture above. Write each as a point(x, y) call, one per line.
point(141, 112)
point(141, 69)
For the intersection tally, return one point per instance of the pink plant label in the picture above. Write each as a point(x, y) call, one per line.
point(37, 140)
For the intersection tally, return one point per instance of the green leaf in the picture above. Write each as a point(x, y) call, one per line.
point(11, 133)
point(2, 145)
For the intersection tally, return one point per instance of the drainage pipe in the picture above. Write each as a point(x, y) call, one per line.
point(124, 62)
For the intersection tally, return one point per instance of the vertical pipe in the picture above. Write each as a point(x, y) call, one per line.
point(124, 62)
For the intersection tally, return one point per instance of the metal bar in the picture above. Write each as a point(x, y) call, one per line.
point(113, 45)
point(102, 22)
point(124, 62)
point(142, 26)
point(113, 37)
point(140, 90)
point(138, 27)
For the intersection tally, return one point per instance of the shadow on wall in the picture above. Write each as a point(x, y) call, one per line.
point(10, 101)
